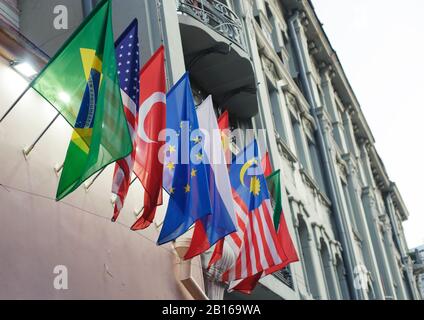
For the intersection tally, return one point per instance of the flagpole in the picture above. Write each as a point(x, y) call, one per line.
point(114, 197)
point(133, 180)
point(88, 185)
point(14, 104)
point(28, 150)
point(137, 212)
point(162, 38)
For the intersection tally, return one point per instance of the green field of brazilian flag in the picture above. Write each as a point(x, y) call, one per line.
point(81, 83)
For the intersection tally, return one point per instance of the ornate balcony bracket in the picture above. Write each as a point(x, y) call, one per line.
point(216, 15)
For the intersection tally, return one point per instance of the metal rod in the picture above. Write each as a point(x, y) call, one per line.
point(137, 212)
point(28, 150)
point(114, 197)
point(14, 104)
point(88, 185)
point(159, 10)
point(57, 169)
point(133, 180)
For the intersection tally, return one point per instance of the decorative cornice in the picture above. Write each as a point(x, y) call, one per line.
point(269, 68)
point(351, 164)
point(309, 120)
point(313, 48)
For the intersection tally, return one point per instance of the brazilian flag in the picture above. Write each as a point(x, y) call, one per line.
point(81, 82)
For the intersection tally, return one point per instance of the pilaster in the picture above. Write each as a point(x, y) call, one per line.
point(354, 188)
point(327, 74)
point(391, 255)
point(374, 224)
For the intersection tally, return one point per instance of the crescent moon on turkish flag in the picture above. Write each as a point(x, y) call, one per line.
point(144, 111)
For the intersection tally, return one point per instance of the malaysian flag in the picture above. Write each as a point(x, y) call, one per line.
point(127, 58)
point(258, 249)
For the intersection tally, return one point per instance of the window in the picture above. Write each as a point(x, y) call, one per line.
point(277, 112)
point(349, 206)
point(297, 130)
point(317, 165)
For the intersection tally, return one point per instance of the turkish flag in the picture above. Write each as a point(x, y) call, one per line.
point(224, 127)
point(151, 121)
point(266, 165)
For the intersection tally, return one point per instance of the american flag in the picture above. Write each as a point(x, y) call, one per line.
point(127, 58)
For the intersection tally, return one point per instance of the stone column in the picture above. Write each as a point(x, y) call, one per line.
point(401, 243)
point(373, 222)
point(391, 255)
point(331, 106)
point(170, 30)
point(380, 253)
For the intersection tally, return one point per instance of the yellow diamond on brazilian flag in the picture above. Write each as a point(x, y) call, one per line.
point(81, 82)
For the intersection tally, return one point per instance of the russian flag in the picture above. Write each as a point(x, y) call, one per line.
point(210, 229)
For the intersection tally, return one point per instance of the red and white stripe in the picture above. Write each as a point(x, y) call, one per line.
point(124, 167)
point(256, 242)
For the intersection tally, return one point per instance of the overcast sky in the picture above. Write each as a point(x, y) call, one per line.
point(381, 46)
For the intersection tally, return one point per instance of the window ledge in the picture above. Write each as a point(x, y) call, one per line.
point(284, 149)
point(314, 186)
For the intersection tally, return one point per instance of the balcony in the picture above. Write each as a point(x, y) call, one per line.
point(285, 277)
point(217, 56)
point(9, 13)
point(217, 16)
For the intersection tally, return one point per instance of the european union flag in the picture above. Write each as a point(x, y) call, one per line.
point(185, 177)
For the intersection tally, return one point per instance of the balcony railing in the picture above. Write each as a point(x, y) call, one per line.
point(216, 15)
point(285, 277)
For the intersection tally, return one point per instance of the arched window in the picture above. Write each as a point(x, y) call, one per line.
point(307, 263)
point(327, 264)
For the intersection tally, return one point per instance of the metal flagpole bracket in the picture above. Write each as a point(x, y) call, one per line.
point(88, 185)
point(113, 199)
point(58, 168)
point(138, 211)
point(28, 149)
point(158, 224)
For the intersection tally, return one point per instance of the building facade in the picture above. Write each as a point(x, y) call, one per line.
point(270, 64)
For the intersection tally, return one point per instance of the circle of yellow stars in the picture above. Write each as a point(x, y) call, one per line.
point(171, 165)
